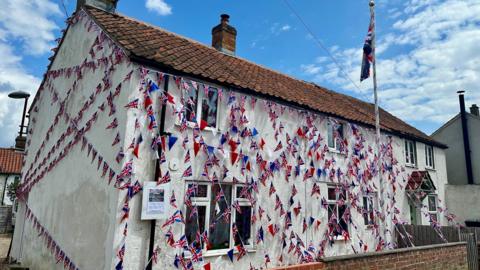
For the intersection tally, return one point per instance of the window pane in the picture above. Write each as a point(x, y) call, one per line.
point(242, 192)
point(190, 103)
point(341, 221)
point(432, 203)
point(243, 225)
point(219, 236)
point(339, 136)
point(191, 224)
point(407, 159)
point(365, 211)
point(331, 140)
point(209, 107)
point(434, 217)
point(331, 194)
point(200, 191)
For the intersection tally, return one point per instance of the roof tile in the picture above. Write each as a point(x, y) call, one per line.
point(184, 55)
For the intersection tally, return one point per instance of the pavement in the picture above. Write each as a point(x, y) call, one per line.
point(4, 244)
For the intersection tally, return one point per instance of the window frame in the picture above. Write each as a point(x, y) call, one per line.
point(330, 202)
point(429, 155)
point(374, 200)
point(410, 148)
point(198, 112)
point(336, 145)
point(207, 202)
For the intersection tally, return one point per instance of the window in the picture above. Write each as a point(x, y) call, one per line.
point(410, 153)
point(429, 157)
point(432, 208)
point(214, 209)
point(369, 206)
point(336, 200)
point(335, 135)
point(200, 104)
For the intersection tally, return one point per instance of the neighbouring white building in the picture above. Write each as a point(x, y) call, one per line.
point(462, 135)
point(254, 168)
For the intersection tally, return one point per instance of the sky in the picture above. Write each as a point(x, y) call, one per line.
point(426, 49)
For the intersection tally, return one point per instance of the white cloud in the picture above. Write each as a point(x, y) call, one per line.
point(311, 69)
point(26, 28)
point(277, 28)
point(439, 55)
point(286, 27)
point(159, 6)
point(28, 21)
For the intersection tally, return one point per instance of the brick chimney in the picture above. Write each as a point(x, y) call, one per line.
point(107, 5)
point(474, 110)
point(224, 36)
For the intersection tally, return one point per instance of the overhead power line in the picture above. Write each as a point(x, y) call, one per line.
point(320, 44)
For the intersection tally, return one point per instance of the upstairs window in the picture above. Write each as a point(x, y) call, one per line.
point(337, 206)
point(335, 135)
point(200, 104)
point(429, 157)
point(410, 153)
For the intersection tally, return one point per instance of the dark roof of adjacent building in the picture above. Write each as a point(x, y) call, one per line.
point(156, 47)
point(10, 161)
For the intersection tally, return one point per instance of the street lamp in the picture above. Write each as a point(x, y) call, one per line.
point(20, 140)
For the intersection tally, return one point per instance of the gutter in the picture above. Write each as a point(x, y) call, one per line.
point(157, 170)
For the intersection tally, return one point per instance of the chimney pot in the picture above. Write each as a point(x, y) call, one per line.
point(474, 110)
point(106, 5)
point(224, 36)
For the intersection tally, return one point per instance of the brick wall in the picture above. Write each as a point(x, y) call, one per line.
point(452, 256)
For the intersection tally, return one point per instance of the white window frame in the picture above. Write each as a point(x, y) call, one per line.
point(200, 96)
point(435, 211)
point(207, 203)
point(336, 145)
point(334, 203)
point(410, 148)
point(374, 204)
point(429, 157)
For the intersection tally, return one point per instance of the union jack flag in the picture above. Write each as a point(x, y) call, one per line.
point(241, 251)
point(176, 217)
point(113, 124)
point(169, 237)
point(236, 205)
point(368, 50)
point(173, 200)
point(182, 242)
point(187, 172)
point(164, 179)
point(196, 254)
point(272, 189)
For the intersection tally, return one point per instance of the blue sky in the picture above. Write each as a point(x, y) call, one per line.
point(427, 49)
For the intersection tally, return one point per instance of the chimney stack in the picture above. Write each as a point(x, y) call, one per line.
point(474, 110)
point(224, 36)
point(466, 140)
point(106, 5)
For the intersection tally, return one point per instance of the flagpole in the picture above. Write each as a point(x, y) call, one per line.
point(377, 124)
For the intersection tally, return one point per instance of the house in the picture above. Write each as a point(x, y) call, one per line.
point(462, 135)
point(148, 149)
point(10, 170)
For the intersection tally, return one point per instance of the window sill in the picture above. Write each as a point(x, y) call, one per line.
point(223, 252)
point(411, 166)
point(335, 151)
point(430, 169)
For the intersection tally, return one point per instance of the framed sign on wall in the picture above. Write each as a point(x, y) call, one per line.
point(154, 205)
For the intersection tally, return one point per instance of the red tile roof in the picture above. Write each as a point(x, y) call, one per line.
point(10, 161)
point(151, 45)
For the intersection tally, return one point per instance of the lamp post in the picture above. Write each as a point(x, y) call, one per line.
point(20, 140)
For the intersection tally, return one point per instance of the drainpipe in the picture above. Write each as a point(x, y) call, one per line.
point(157, 170)
point(466, 141)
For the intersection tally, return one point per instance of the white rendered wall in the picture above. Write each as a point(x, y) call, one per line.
point(137, 241)
point(73, 202)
